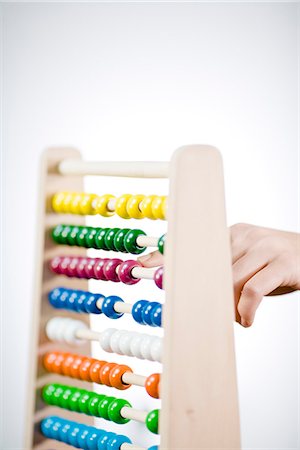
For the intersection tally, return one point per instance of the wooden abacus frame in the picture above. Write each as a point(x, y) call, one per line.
point(199, 388)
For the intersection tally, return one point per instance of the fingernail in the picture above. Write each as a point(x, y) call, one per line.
point(144, 258)
point(246, 323)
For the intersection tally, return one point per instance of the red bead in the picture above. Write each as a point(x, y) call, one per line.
point(109, 270)
point(152, 385)
point(64, 266)
point(99, 269)
point(89, 268)
point(95, 371)
point(105, 373)
point(55, 264)
point(80, 268)
point(125, 270)
point(158, 277)
point(72, 269)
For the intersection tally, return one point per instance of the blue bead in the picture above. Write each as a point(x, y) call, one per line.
point(90, 304)
point(82, 437)
point(137, 310)
point(154, 447)
point(80, 301)
point(146, 313)
point(58, 429)
point(156, 315)
point(54, 295)
point(46, 425)
point(74, 433)
point(108, 306)
point(70, 302)
point(62, 300)
point(116, 442)
point(93, 438)
point(104, 439)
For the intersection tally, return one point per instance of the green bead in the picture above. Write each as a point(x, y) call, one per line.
point(114, 410)
point(57, 395)
point(74, 398)
point(152, 421)
point(94, 403)
point(130, 242)
point(109, 238)
point(72, 236)
point(47, 393)
point(161, 243)
point(119, 240)
point(80, 237)
point(56, 233)
point(100, 239)
point(83, 402)
point(64, 399)
point(64, 234)
point(103, 407)
point(90, 238)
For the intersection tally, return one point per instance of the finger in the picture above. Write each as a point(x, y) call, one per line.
point(261, 284)
point(151, 259)
point(239, 241)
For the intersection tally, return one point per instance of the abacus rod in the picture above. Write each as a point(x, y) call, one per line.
point(127, 446)
point(87, 334)
point(133, 169)
point(147, 241)
point(143, 272)
point(133, 378)
point(133, 414)
point(120, 307)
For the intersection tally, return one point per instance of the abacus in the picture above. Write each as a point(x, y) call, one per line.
point(79, 400)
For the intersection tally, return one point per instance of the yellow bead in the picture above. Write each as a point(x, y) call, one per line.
point(87, 203)
point(164, 207)
point(158, 208)
point(66, 204)
point(57, 201)
point(121, 206)
point(101, 205)
point(146, 207)
point(133, 209)
point(75, 203)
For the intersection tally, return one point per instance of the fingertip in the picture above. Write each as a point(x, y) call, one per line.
point(246, 323)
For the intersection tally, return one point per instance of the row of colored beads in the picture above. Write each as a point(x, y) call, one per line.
point(92, 370)
point(88, 402)
point(126, 206)
point(81, 436)
point(143, 311)
point(104, 269)
point(112, 340)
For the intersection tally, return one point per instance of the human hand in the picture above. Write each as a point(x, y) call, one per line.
point(264, 262)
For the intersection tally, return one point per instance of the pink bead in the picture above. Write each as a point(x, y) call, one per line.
point(125, 271)
point(72, 268)
point(158, 277)
point(109, 270)
point(55, 264)
point(99, 267)
point(64, 266)
point(89, 268)
point(80, 268)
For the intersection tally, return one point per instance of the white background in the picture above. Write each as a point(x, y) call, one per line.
point(135, 81)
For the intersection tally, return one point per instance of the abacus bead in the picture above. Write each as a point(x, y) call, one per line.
point(115, 340)
point(91, 304)
point(125, 342)
point(156, 349)
point(48, 360)
point(116, 442)
point(84, 369)
point(152, 421)
point(80, 301)
point(57, 395)
point(95, 371)
point(53, 297)
point(125, 269)
point(158, 277)
point(104, 440)
point(158, 208)
point(64, 400)
point(48, 392)
point(115, 376)
point(66, 364)
point(104, 373)
point(72, 236)
point(86, 204)
point(146, 206)
point(90, 238)
point(57, 428)
point(64, 234)
point(145, 346)
point(63, 298)
point(152, 384)
point(114, 410)
point(82, 437)
point(56, 233)
point(93, 404)
point(72, 269)
point(83, 403)
point(57, 201)
point(57, 363)
point(108, 306)
point(71, 301)
point(80, 268)
point(146, 313)
point(156, 315)
point(101, 205)
point(99, 238)
point(119, 240)
point(109, 238)
point(74, 433)
point(161, 244)
point(75, 366)
point(132, 207)
point(92, 439)
point(110, 271)
point(103, 407)
point(105, 339)
point(46, 426)
point(71, 330)
point(74, 399)
point(74, 206)
point(55, 264)
point(154, 447)
point(99, 269)
point(135, 346)
point(137, 310)
point(89, 268)
point(80, 237)
point(121, 206)
point(130, 242)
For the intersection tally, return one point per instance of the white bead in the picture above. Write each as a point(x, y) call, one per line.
point(156, 349)
point(145, 347)
point(115, 341)
point(70, 332)
point(61, 329)
point(50, 328)
point(135, 346)
point(105, 339)
point(124, 343)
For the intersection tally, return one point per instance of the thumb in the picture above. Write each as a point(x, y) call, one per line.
point(151, 259)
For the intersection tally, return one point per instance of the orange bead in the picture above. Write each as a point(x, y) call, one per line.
point(105, 372)
point(95, 371)
point(152, 385)
point(56, 366)
point(84, 369)
point(66, 364)
point(48, 360)
point(115, 377)
point(74, 367)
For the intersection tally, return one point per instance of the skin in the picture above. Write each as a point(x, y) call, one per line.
point(264, 262)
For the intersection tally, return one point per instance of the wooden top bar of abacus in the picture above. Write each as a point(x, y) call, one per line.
point(133, 169)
